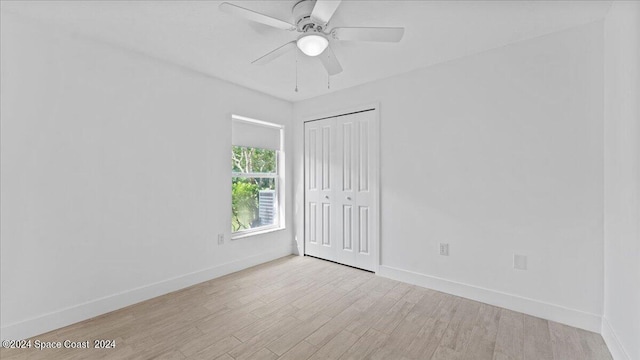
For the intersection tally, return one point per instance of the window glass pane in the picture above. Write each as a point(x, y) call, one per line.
point(253, 160)
point(253, 203)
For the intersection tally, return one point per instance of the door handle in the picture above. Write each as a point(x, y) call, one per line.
point(348, 198)
point(326, 196)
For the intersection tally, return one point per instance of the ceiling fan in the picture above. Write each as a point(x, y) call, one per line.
point(311, 20)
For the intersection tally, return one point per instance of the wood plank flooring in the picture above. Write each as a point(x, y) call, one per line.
point(304, 308)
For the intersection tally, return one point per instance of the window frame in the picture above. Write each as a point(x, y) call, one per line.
point(278, 177)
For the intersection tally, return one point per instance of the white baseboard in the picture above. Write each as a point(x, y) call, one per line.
point(73, 314)
point(557, 313)
point(615, 347)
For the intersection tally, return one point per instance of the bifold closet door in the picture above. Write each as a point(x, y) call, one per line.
point(319, 212)
point(356, 189)
point(341, 189)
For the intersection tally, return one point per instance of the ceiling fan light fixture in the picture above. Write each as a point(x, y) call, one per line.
point(312, 44)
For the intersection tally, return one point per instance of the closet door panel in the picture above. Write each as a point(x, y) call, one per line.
point(345, 195)
point(319, 181)
point(366, 189)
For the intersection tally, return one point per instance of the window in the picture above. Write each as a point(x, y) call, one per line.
point(254, 184)
point(256, 162)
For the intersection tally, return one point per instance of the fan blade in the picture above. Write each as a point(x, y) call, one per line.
point(324, 10)
point(274, 54)
point(368, 34)
point(255, 16)
point(330, 62)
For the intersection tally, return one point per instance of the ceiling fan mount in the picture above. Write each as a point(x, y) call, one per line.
point(311, 19)
point(302, 16)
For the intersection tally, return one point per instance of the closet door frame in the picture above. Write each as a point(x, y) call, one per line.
point(375, 109)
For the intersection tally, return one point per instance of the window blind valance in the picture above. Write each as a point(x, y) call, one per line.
point(255, 133)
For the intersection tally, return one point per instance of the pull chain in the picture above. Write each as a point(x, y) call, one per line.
point(296, 71)
point(328, 81)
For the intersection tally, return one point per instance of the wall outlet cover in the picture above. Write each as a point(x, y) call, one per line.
point(519, 262)
point(220, 239)
point(444, 249)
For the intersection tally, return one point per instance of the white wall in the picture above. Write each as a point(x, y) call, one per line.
point(621, 323)
point(115, 178)
point(497, 153)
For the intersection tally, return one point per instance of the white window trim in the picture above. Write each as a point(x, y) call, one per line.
point(258, 231)
point(279, 180)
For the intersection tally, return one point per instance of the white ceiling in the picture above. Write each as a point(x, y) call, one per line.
point(196, 35)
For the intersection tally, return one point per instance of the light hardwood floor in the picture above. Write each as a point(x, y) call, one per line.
point(304, 308)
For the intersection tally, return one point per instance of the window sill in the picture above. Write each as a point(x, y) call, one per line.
point(254, 233)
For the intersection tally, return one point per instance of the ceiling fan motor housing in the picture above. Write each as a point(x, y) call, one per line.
point(302, 14)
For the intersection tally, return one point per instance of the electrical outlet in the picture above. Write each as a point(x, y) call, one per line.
point(519, 262)
point(444, 249)
point(220, 239)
